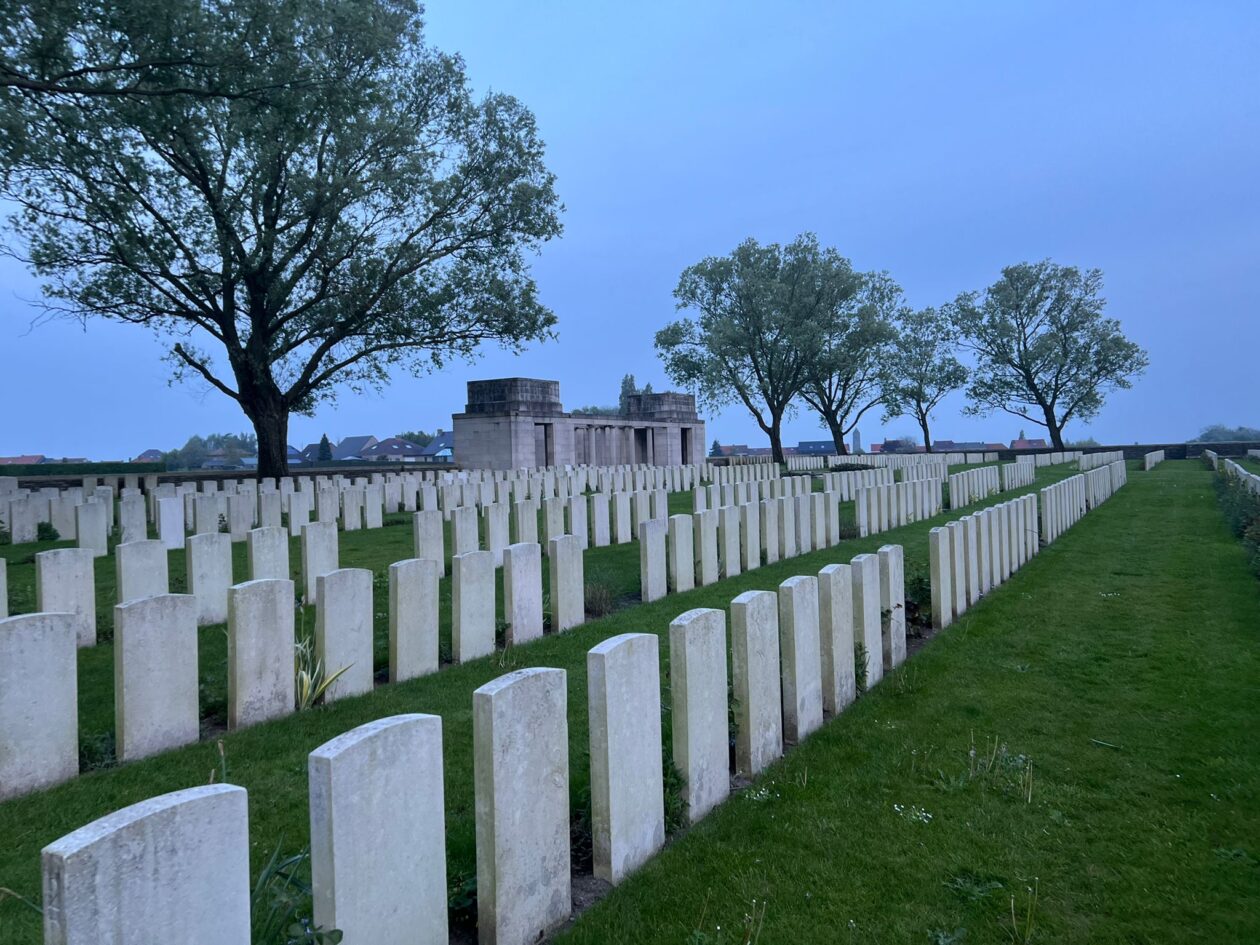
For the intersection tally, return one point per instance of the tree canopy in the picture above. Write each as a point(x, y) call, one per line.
point(366, 214)
point(1044, 350)
point(760, 316)
point(922, 368)
point(1219, 433)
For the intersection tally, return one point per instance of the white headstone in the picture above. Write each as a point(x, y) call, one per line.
point(867, 624)
point(755, 678)
point(697, 666)
point(319, 556)
point(268, 552)
point(378, 862)
point(343, 630)
point(799, 650)
point(260, 652)
point(835, 621)
point(140, 570)
point(413, 618)
point(472, 605)
point(568, 583)
point(155, 674)
point(65, 582)
point(522, 592)
point(209, 569)
point(652, 574)
point(892, 603)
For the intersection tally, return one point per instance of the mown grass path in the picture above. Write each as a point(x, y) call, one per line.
point(1121, 668)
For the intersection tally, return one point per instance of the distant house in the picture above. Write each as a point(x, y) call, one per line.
point(441, 448)
point(816, 448)
point(395, 450)
point(31, 460)
point(352, 447)
point(149, 456)
point(1022, 444)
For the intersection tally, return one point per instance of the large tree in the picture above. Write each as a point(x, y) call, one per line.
point(1044, 350)
point(922, 368)
point(758, 325)
point(847, 375)
point(365, 214)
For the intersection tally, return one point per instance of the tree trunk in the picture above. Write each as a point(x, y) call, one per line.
point(927, 434)
point(776, 439)
point(1054, 428)
point(837, 434)
point(271, 426)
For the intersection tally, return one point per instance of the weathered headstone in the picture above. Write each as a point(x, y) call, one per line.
point(799, 651)
point(140, 570)
point(755, 677)
point(522, 592)
point(378, 866)
point(268, 549)
point(892, 604)
point(568, 583)
point(155, 674)
point(627, 798)
point(343, 630)
point(697, 661)
point(413, 618)
point(652, 573)
point(472, 605)
point(521, 737)
point(835, 622)
point(260, 652)
point(319, 555)
point(92, 524)
point(867, 625)
point(65, 582)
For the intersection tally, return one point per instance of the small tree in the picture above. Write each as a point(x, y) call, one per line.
point(419, 437)
point(628, 390)
point(325, 449)
point(846, 378)
point(715, 449)
point(922, 368)
point(760, 316)
point(1044, 351)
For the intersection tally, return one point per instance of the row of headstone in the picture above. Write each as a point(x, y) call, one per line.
point(746, 472)
point(1230, 468)
point(977, 553)
point(1055, 458)
point(973, 485)
point(879, 508)
point(1088, 461)
point(937, 469)
point(1065, 503)
point(715, 495)
point(176, 868)
point(1152, 459)
point(1018, 475)
point(1103, 482)
point(849, 482)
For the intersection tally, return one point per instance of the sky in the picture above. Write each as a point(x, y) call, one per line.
point(939, 142)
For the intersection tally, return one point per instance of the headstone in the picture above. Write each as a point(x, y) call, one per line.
point(601, 534)
point(93, 527)
point(892, 605)
point(697, 666)
point(240, 515)
point(627, 797)
point(133, 523)
point(209, 571)
point(413, 618)
point(706, 546)
point(496, 516)
point(140, 570)
point(170, 522)
point(652, 576)
point(578, 526)
point(799, 650)
point(867, 623)
point(755, 678)
point(174, 868)
point(750, 536)
point(568, 583)
point(155, 674)
point(681, 553)
point(957, 567)
point(522, 592)
point(299, 512)
point(769, 514)
point(343, 630)
point(472, 605)
point(268, 552)
point(787, 527)
point(4, 588)
point(622, 530)
point(269, 511)
point(260, 652)
point(378, 867)
point(728, 540)
point(65, 583)
point(39, 702)
point(430, 541)
point(940, 560)
point(521, 737)
point(835, 622)
point(319, 556)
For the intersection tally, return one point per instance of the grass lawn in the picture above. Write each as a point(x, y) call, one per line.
point(1249, 463)
point(1084, 742)
point(270, 760)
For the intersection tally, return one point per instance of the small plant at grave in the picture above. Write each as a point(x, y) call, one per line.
point(310, 676)
point(971, 887)
point(945, 937)
point(6, 537)
point(598, 599)
point(581, 842)
point(44, 531)
point(861, 660)
point(918, 602)
point(223, 524)
point(461, 899)
point(1021, 930)
point(98, 750)
point(548, 622)
point(280, 903)
point(996, 766)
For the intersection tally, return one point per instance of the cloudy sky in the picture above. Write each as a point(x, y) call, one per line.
point(936, 141)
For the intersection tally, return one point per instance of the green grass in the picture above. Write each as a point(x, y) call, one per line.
point(1249, 463)
point(1118, 671)
point(270, 760)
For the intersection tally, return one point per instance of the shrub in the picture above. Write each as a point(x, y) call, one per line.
point(44, 531)
point(1241, 508)
point(599, 599)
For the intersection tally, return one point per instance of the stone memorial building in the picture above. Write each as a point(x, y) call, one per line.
point(518, 422)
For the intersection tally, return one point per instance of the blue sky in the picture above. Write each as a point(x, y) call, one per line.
point(937, 141)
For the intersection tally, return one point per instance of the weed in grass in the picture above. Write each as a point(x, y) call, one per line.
point(461, 899)
point(97, 750)
point(861, 658)
point(971, 887)
point(944, 937)
point(746, 932)
point(280, 903)
point(599, 599)
point(1022, 926)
